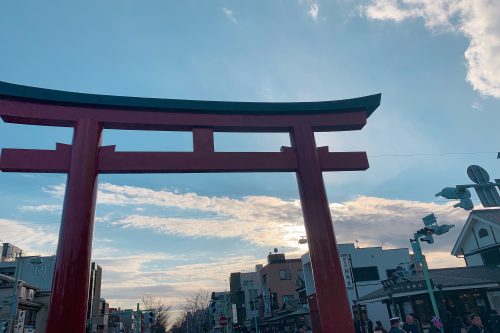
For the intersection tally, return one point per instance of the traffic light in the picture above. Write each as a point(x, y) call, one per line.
point(3, 326)
point(148, 317)
point(442, 229)
point(457, 193)
point(427, 231)
point(429, 239)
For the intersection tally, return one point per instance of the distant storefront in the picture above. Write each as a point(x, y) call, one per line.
point(459, 291)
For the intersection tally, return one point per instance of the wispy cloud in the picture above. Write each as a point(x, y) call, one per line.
point(263, 221)
point(269, 221)
point(41, 208)
point(476, 19)
point(229, 14)
point(29, 236)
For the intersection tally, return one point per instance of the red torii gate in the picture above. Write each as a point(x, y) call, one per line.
point(85, 158)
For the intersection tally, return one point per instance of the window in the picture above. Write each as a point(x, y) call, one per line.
point(491, 257)
point(285, 274)
point(285, 298)
point(362, 274)
point(482, 233)
point(390, 272)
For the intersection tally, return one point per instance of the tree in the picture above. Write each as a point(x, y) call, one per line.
point(194, 317)
point(161, 312)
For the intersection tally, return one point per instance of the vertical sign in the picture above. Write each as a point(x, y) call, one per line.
point(20, 322)
point(235, 313)
point(346, 270)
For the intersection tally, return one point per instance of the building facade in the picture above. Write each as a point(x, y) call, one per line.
point(364, 270)
point(479, 244)
point(278, 279)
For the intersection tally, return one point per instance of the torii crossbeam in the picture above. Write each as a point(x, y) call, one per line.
point(85, 158)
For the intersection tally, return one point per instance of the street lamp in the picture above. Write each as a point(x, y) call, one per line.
point(426, 235)
point(15, 298)
point(486, 190)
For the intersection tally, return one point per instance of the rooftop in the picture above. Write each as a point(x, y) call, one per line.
point(448, 279)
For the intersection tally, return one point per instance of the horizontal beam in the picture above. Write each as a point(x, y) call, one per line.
point(19, 112)
point(31, 160)
point(110, 161)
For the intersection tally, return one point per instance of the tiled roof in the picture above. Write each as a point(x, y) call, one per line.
point(492, 215)
point(448, 278)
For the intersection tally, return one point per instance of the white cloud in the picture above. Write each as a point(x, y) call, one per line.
point(269, 221)
point(261, 220)
point(29, 237)
point(229, 14)
point(476, 19)
point(41, 208)
point(312, 8)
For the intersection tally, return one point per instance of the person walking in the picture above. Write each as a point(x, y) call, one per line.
point(476, 325)
point(379, 328)
point(395, 328)
point(411, 326)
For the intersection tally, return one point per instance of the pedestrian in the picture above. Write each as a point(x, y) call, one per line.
point(395, 328)
point(411, 326)
point(369, 325)
point(476, 324)
point(379, 328)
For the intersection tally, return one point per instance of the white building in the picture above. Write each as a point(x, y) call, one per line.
point(369, 267)
point(479, 241)
point(479, 244)
point(250, 285)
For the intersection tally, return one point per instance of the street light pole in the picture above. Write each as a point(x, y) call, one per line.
point(420, 258)
point(15, 297)
point(425, 234)
point(358, 306)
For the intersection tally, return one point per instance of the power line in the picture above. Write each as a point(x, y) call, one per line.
point(435, 154)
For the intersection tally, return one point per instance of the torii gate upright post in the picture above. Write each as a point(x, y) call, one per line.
point(84, 159)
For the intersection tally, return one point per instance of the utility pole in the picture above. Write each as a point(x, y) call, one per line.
point(14, 301)
point(358, 306)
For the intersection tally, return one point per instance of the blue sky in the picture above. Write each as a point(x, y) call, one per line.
point(436, 65)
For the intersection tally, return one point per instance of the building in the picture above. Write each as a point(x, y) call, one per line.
point(98, 309)
point(30, 303)
point(219, 312)
point(10, 252)
point(278, 282)
point(459, 291)
point(245, 288)
point(479, 241)
point(37, 273)
point(479, 244)
point(121, 320)
point(364, 270)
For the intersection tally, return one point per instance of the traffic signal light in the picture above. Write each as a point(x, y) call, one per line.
point(457, 193)
point(148, 318)
point(3, 326)
point(442, 229)
point(429, 239)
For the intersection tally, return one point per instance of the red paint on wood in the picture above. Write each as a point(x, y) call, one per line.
point(31, 160)
point(64, 115)
point(69, 298)
point(203, 140)
point(313, 310)
point(331, 294)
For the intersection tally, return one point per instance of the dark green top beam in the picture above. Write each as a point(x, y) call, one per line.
point(15, 91)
